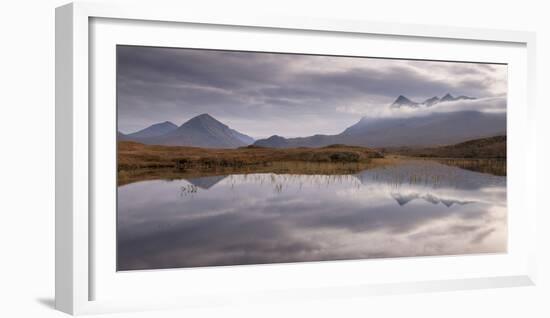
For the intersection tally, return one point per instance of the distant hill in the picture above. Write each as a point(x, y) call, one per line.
point(421, 131)
point(275, 142)
point(200, 131)
point(154, 130)
point(490, 148)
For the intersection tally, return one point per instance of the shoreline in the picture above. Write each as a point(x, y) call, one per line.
point(138, 162)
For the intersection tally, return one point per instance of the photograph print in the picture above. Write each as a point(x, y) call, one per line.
point(242, 158)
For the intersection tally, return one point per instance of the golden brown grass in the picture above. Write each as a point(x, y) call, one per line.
point(133, 155)
point(495, 167)
point(483, 148)
point(146, 162)
point(138, 162)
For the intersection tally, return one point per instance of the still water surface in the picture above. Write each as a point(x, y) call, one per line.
point(418, 208)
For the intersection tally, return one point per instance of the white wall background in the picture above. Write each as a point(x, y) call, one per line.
point(27, 158)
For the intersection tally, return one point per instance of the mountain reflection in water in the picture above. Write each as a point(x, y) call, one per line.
point(414, 209)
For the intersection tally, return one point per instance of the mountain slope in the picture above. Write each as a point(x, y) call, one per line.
point(242, 137)
point(490, 147)
point(201, 131)
point(431, 101)
point(422, 131)
point(429, 130)
point(154, 130)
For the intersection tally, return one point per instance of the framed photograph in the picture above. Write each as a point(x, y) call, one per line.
point(206, 159)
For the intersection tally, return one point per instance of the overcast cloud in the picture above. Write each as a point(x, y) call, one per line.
point(261, 94)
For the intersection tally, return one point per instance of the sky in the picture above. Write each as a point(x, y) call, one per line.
point(263, 94)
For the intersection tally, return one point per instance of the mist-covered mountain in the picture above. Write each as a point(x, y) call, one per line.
point(431, 101)
point(420, 131)
point(424, 130)
point(200, 131)
point(403, 101)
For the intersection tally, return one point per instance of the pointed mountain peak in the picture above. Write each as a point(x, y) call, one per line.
point(204, 116)
point(203, 119)
point(403, 101)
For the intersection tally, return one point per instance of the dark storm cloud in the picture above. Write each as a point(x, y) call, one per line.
point(216, 69)
point(390, 82)
point(264, 93)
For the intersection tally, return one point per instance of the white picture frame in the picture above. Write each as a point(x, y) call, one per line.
point(76, 166)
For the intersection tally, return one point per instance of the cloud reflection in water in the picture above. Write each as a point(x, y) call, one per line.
point(416, 209)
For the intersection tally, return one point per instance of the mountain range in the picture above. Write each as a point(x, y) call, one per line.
point(430, 129)
point(433, 129)
point(200, 131)
point(403, 101)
